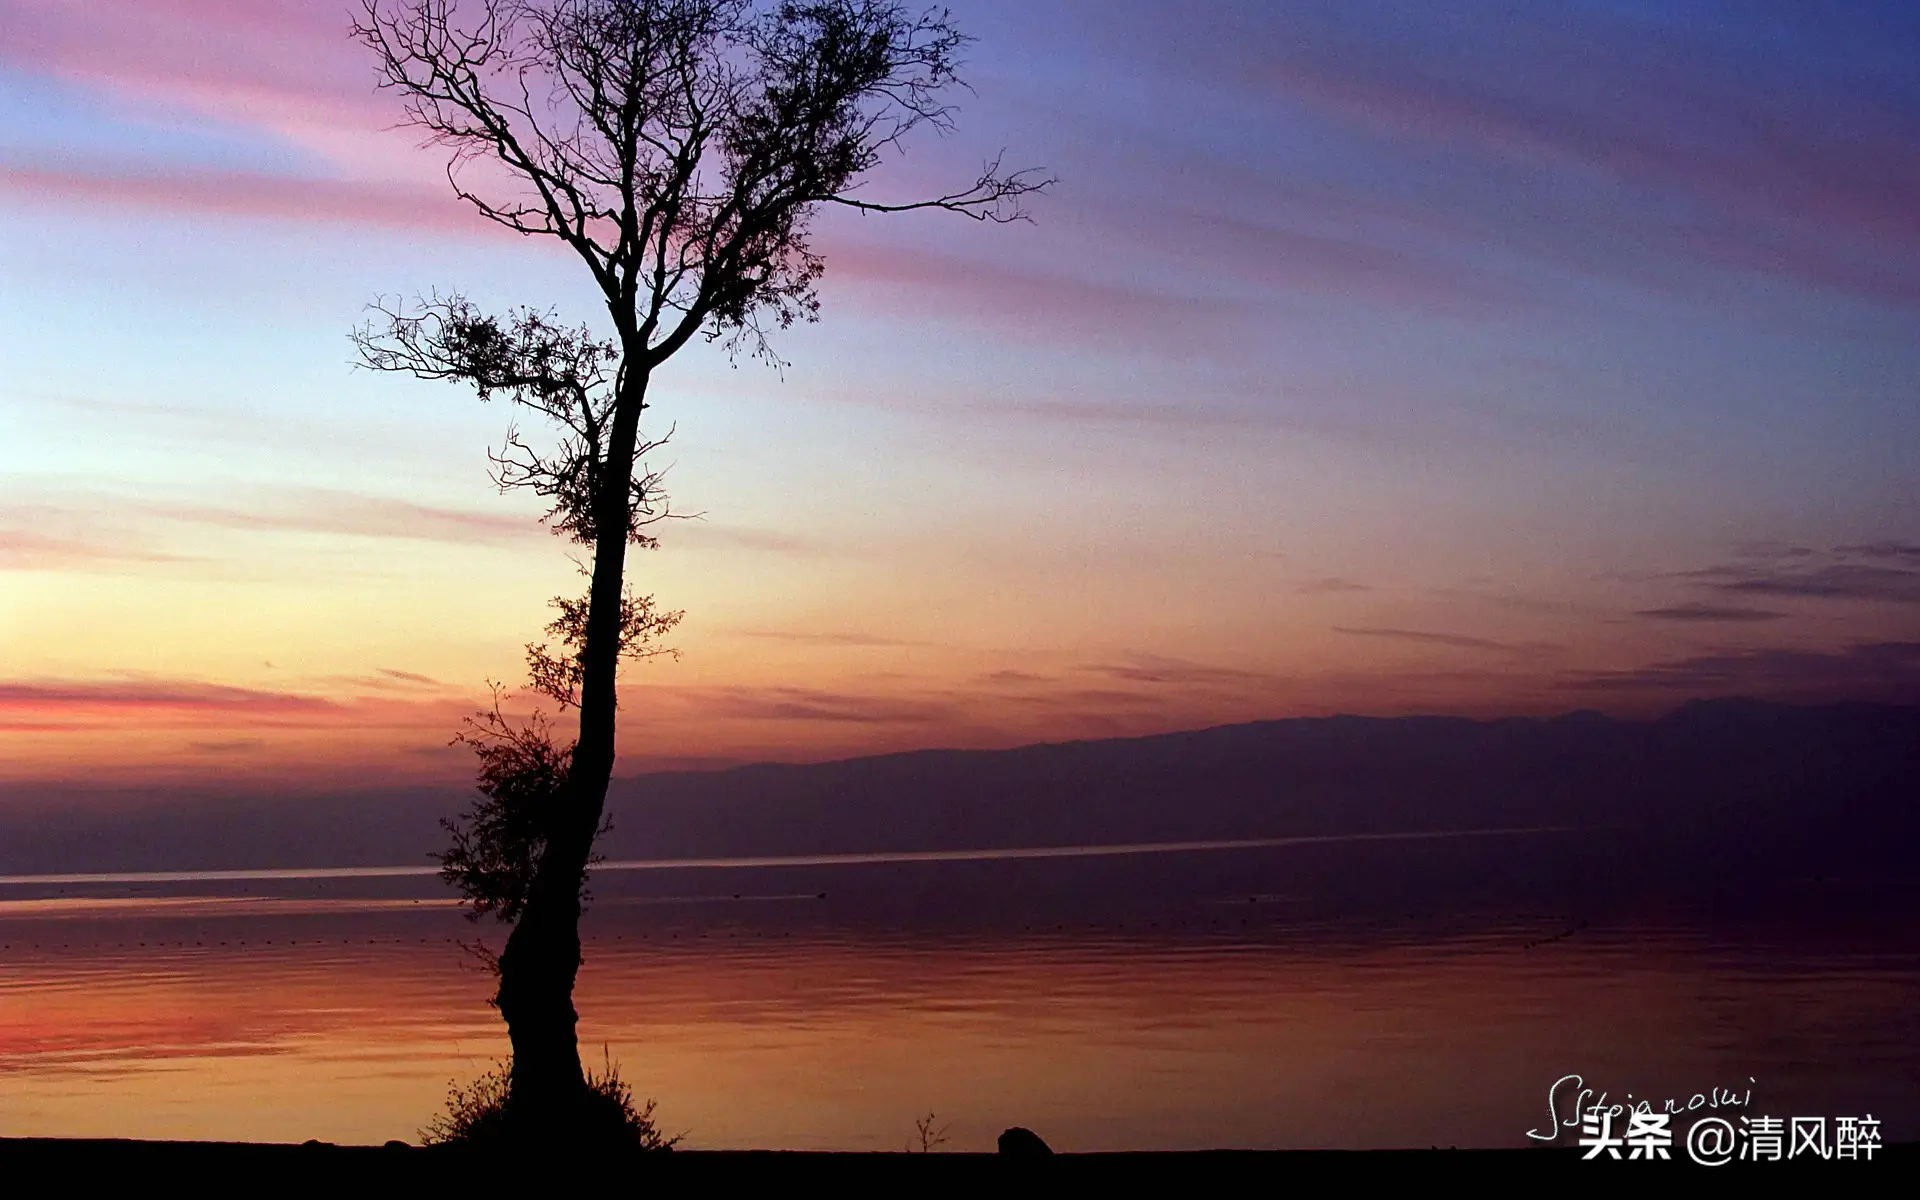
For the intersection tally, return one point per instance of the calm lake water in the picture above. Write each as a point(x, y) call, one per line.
point(1259, 996)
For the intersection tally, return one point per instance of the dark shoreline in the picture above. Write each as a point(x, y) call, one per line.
point(85, 1158)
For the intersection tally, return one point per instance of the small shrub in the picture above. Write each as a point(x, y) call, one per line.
point(931, 1136)
point(478, 1114)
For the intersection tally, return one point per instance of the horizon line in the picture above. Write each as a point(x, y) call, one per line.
point(848, 858)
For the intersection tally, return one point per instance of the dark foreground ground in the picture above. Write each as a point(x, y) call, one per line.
point(88, 1160)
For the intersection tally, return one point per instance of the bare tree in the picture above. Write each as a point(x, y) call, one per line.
point(680, 149)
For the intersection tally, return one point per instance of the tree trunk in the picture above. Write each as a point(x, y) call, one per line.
point(537, 972)
point(542, 958)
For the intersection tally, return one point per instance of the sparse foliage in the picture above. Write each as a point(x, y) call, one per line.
point(680, 147)
point(531, 361)
point(496, 844)
point(558, 676)
point(928, 1136)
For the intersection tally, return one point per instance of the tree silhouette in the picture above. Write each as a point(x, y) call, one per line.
point(680, 149)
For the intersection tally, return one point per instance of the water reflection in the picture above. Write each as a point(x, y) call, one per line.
point(771, 1009)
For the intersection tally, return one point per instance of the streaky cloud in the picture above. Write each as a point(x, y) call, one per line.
point(1834, 581)
point(1428, 637)
point(1332, 585)
point(1153, 668)
point(826, 638)
point(1860, 670)
point(804, 704)
point(26, 550)
point(55, 695)
point(1708, 612)
point(1899, 551)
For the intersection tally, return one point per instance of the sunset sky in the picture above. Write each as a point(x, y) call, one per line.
point(1373, 358)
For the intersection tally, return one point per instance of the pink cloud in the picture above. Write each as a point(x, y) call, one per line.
point(299, 510)
point(43, 697)
point(1351, 264)
point(321, 511)
point(1843, 174)
point(25, 550)
point(283, 66)
point(236, 194)
point(1030, 303)
point(991, 292)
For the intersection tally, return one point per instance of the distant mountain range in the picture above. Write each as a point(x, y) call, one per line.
point(1727, 783)
point(1732, 778)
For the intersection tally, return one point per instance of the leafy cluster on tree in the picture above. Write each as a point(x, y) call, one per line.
point(497, 842)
